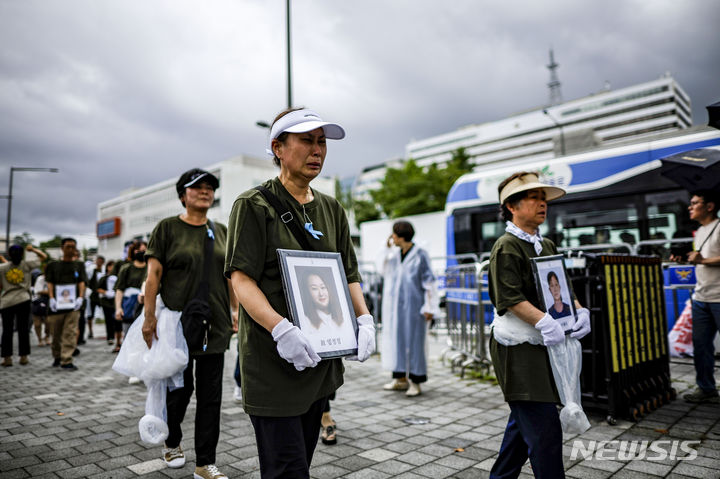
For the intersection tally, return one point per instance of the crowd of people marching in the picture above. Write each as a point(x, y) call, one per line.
point(218, 280)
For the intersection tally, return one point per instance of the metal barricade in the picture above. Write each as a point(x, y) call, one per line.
point(626, 365)
point(466, 315)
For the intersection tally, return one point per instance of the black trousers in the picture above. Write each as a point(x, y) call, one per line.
point(81, 324)
point(17, 314)
point(109, 314)
point(413, 378)
point(208, 393)
point(286, 444)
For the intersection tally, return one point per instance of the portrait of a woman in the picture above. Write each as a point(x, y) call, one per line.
point(319, 300)
point(558, 309)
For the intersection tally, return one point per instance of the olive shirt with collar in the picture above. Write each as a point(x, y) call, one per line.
point(523, 371)
point(271, 385)
point(180, 249)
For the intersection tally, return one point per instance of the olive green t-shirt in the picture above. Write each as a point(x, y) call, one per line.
point(130, 276)
point(180, 248)
point(66, 272)
point(523, 371)
point(271, 385)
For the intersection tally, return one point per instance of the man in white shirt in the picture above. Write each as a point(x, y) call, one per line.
point(704, 206)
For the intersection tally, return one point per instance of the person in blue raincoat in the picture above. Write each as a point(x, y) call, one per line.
point(409, 303)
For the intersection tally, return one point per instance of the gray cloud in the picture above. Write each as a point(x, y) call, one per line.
point(119, 94)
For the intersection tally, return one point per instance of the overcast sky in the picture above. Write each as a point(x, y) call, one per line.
point(127, 93)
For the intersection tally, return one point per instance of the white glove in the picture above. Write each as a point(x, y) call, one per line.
point(78, 304)
point(552, 332)
point(293, 346)
point(53, 305)
point(365, 339)
point(582, 325)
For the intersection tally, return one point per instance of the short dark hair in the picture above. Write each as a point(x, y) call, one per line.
point(282, 136)
point(134, 247)
point(512, 200)
point(709, 196)
point(552, 274)
point(404, 230)
point(65, 240)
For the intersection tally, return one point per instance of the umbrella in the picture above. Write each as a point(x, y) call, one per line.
point(694, 170)
point(714, 115)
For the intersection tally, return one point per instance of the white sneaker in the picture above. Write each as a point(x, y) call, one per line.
point(396, 385)
point(208, 472)
point(413, 390)
point(174, 457)
point(133, 380)
point(237, 394)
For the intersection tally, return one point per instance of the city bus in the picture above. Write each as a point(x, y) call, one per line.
point(615, 195)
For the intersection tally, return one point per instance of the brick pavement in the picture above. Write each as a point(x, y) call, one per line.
point(61, 424)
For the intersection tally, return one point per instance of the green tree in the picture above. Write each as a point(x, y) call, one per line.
point(23, 239)
point(54, 242)
point(412, 189)
point(365, 211)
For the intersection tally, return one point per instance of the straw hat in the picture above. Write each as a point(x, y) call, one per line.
point(530, 181)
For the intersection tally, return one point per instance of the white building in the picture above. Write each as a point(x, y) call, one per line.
point(544, 133)
point(136, 212)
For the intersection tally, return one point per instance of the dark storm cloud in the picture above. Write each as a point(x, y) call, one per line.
point(121, 94)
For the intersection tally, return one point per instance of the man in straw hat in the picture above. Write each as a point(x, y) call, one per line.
point(522, 330)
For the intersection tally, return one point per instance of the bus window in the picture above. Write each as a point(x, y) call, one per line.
point(586, 226)
point(477, 231)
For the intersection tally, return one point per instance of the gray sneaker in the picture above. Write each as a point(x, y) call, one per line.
point(700, 396)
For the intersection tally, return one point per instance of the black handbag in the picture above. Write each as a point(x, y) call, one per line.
point(196, 314)
point(39, 306)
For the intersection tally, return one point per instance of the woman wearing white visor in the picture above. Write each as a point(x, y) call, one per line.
point(285, 384)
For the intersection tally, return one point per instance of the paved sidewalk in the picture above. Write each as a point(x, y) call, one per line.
point(62, 424)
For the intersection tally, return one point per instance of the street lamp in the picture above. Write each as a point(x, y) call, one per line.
point(289, 69)
point(562, 135)
point(13, 169)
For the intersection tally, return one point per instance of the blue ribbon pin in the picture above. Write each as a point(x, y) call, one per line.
point(315, 233)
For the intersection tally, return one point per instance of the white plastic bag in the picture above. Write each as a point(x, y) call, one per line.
point(160, 367)
point(566, 363)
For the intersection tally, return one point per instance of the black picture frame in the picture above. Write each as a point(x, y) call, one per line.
point(318, 300)
point(544, 269)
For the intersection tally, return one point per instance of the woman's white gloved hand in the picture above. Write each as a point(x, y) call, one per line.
point(552, 332)
point(582, 325)
point(366, 338)
point(78, 304)
point(293, 346)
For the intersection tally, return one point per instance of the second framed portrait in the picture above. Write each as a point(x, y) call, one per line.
point(319, 301)
point(553, 289)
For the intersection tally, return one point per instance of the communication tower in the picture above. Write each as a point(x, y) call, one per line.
point(554, 84)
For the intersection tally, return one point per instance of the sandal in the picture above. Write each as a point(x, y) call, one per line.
point(116, 349)
point(328, 435)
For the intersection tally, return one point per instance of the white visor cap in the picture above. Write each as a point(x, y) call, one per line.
point(301, 121)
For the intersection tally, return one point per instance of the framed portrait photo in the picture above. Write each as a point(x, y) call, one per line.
point(65, 295)
point(318, 300)
point(553, 290)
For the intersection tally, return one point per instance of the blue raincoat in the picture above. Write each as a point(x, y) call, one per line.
point(409, 290)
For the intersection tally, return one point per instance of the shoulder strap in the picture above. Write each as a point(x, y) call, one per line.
point(204, 286)
point(286, 217)
point(709, 235)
